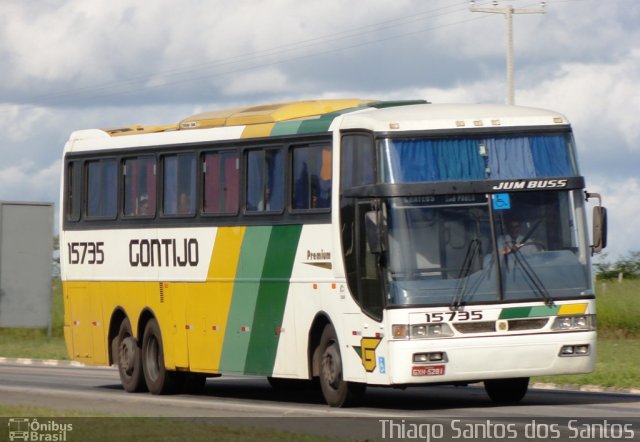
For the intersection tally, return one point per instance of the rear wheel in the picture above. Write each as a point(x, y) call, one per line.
point(126, 355)
point(159, 380)
point(336, 391)
point(506, 390)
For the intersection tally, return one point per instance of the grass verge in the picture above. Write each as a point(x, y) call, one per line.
point(104, 427)
point(617, 365)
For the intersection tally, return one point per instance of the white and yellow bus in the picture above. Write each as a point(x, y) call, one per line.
point(350, 242)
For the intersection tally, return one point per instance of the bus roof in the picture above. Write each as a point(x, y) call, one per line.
point(315, 116)
point(263, 114)
point(450, 116)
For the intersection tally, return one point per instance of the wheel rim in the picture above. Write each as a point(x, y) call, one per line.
point(332, 366)
point(127, 355)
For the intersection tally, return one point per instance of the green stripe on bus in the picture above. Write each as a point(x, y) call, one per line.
point(286, 128)
point(318, 125)
point(323, 123)
point(311, 125)
point(272, 299)
point(245, 295)
point(544, 310)
point(528, 312)
point(515, 312)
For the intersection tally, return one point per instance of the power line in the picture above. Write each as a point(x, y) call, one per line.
point(508, 12)
point(174, 76)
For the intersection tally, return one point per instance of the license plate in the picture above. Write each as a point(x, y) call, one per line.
point(431, 370)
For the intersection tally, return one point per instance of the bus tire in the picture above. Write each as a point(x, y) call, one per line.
point(504, 391)
point(159, 380)
point(126, 353)
point(336, 391)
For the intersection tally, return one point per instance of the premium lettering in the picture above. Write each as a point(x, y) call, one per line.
point(318, 256)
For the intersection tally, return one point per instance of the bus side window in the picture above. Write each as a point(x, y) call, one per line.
point(72, 198)
point(139, 186)
point(102, 188)
point(311, 177)
point(179, 184)
point(221, 182)
point(358, 164)
point(265, 180)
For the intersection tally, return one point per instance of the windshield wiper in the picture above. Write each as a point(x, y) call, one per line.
point(530, 274)
point(473, 249)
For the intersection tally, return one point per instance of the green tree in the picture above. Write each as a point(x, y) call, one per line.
point(628, 265)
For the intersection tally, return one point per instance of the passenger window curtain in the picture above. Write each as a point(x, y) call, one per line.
point(170, 199)
point(211, 183)
point(275, 184)
point(463, 159)
point(102, 188)
point(230, 191)
point(408, 161)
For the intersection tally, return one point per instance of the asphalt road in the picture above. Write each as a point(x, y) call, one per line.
point(98, 390)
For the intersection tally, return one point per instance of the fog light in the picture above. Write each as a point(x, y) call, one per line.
point(582, 349)
point(421, 357)
point(567, 350)
point(575, 350)
point(435, 356)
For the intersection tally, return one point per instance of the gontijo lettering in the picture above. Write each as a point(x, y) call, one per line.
point(167, 252)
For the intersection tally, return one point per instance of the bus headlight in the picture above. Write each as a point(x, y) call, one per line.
point(421, 331)
point(573, 323)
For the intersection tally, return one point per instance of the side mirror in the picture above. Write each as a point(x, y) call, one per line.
point(372, 232)
point(599, 229)
point(599, 222)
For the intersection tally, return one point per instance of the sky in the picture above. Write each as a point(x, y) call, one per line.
point(78, 64)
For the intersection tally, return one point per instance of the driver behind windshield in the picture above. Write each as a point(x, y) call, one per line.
point(514, 240)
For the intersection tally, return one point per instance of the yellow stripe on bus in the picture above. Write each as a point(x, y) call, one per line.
point(257, 130)
point(572, 309)
point(222, 271)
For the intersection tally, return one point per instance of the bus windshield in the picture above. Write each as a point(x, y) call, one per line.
point(478, 157)
point(458, 249)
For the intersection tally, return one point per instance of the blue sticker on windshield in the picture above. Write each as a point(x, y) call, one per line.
point(501, 201)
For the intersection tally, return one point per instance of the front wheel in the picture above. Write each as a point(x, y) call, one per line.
point(159, 380)
point(336, 391)
point(506, 390)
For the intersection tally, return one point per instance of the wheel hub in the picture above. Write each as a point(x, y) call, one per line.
point(332, 367)
point(127, 355)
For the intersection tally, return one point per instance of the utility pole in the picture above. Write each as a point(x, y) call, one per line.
point(508, 12)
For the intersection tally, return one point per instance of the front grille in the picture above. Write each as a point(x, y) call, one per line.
point(475, 327)
point(490, 326)
point(527, 324)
